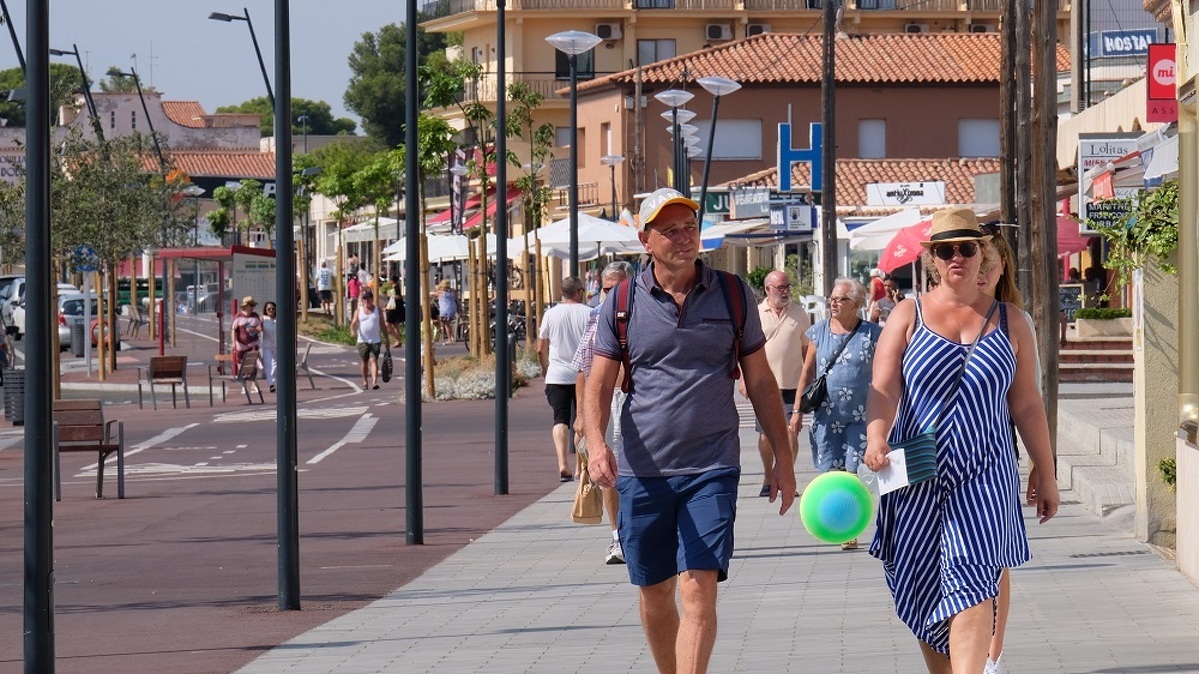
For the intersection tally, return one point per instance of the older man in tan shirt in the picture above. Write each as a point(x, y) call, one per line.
point(784, 323)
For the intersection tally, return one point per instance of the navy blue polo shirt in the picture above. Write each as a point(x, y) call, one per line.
point(680, 418)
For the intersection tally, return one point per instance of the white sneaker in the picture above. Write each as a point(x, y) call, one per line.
point(994, 666)
point(615, 554)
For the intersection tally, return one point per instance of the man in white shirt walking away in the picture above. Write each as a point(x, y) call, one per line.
point(558, 339)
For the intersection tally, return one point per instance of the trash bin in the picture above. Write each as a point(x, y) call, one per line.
point(77, 337)
point(14, 396)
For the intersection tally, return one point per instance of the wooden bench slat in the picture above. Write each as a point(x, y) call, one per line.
point(63, 405)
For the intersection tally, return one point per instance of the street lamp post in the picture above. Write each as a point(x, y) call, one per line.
point(87, 89)
point(612, 161)
point(137, 83)
point(572, 43)
point(229, 18)
point(675, 99)
point(718, 87)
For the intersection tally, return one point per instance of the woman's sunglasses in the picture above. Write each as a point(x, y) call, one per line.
point(944, 251)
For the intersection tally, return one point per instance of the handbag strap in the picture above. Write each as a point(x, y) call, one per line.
point(844, 344)
point(953, 389)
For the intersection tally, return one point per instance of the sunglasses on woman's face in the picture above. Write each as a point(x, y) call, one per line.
point(945, 251)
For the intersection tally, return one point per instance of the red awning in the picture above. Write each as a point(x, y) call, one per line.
point(443, 217)
point(473, 221)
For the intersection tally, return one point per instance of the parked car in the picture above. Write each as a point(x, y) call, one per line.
point(16, 325)
point(70, 313)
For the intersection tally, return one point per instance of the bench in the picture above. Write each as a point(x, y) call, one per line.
point(79, 426)
point(246, 376)
point(164, 370)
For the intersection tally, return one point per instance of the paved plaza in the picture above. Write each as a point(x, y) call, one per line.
point(533, 596)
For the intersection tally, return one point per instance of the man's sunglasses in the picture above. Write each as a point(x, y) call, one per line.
point(945, 251)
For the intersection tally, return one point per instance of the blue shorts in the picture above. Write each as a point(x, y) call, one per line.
point(668, 525)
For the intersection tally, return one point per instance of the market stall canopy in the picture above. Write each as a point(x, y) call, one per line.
point(876, 235)
point(390, 229)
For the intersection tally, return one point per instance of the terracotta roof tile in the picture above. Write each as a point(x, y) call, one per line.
point(783, 58)
point(854, 174)
point(226, 163)
point(185, 113)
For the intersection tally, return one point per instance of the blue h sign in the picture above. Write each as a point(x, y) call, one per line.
point(788, 155)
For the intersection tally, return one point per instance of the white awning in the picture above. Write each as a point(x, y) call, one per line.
point(1164, 163)
point(876, 235)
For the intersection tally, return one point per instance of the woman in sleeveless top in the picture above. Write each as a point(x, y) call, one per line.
point(944, 542)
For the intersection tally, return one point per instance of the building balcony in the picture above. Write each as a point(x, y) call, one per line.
point(543, 83)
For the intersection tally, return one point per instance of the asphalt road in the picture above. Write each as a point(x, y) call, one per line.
point(181, 576)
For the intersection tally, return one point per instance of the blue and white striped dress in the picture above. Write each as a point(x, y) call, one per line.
point(944, 542)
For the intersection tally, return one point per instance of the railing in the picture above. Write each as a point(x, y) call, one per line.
point(588, 195)
point(570, 4)
point(781, 5)
point(437, 186)
point(437, 9)
point(485, 90)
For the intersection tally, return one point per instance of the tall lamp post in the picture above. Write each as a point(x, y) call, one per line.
point(675, 99)
point(612, 161)
point(229, 18)
point(572, 43)
point(303, 120)
point(87, 89)
point(718, 87)
point(137, 83)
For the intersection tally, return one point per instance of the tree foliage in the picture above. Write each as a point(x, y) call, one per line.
point(64, 82)
point(1149, 235)
point(320, 120)
point(110, 199)
point(339, 162)
point(377, 87)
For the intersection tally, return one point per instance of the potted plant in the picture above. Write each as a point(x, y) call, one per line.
point(1103, 322)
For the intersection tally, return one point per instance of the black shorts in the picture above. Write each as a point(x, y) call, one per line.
point(562, 401)
point(326, 295)
point(788, 407)
point(393, 316)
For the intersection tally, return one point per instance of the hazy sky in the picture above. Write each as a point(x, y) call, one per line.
point(190, 58)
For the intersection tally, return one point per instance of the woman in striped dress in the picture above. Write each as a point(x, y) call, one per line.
point(945, 542)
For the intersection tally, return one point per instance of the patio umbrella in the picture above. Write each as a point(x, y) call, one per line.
point(904, 247)
point(875, 235)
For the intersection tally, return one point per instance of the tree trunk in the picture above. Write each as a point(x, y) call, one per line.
point(1043, 189)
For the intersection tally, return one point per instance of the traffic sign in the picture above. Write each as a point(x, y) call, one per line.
point(84, 259)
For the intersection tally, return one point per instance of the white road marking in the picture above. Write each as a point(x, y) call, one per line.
point(361, 429)
point(269, 414)
point(143, 446)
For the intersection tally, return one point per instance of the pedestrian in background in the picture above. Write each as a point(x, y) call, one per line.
point(557, 340)
point(246, 329)
point(883, 308)
point(840, 348)
point(447, 311)
point(785, 324)
point(394, 311)
point(612, 275)
point(324, 287)
point(268, 342)
point(367, 325)
point(680, 448)
point(353, 291)
point(954, 360)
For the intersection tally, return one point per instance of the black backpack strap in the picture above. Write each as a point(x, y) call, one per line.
point(624, 306)
point(730, 285)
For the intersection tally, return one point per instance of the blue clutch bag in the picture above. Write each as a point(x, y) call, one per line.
point(920, 453)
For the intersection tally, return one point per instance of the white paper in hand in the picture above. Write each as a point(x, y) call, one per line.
point(895, 474)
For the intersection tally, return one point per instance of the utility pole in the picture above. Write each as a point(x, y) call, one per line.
point(1023, 141)
point(1007, 114)
point(828, 195)
point(1043, 189)
point(638, 139)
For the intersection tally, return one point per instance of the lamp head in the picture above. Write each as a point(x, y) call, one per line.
point(312, 171)
point(718, 86)
point(459, 170)
point(674, 98)
point(62, 52)
point(684, 115)
point(612, 160)
point(114, 72)
point(573, 42)
point(221, 16)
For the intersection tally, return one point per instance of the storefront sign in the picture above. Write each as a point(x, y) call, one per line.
point(750, 202)
point(927, 193)
point(1113, 43)
point(788, 155)
point(792, 217)
point(1097, 150)
point(1162, 103)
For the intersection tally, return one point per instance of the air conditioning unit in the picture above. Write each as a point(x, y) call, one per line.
point(608, 31)
point(718, 31)
point(915, 28)
point(981, 28)
point(756, 29)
